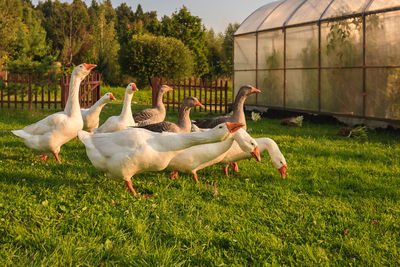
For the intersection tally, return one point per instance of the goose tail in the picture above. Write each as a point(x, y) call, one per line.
point(21, 133)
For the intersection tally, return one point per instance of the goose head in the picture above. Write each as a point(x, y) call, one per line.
point(277, 158)
point(247, 143)
point(82, 70)
point(131, 88)
point(225, 130)
point(247, 90)
point(191, 102)
point(165, 88)
point(108, 97)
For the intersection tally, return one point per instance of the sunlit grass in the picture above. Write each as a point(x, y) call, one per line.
point(339, 204)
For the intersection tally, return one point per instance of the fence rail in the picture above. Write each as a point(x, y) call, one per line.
point(212, 94)
point(45, 91)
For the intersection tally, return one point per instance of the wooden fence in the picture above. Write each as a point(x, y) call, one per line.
point(212, 94)
point(45, 91)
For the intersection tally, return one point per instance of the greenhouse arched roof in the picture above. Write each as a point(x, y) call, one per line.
point(285, 13)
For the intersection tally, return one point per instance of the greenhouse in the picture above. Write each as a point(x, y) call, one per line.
point(336, 57)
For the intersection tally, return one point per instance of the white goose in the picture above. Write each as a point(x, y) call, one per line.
point(50, 133)
point(198, 157)
point(235, 153)
point(125, 153)
point(125, 119)
point(91, 115)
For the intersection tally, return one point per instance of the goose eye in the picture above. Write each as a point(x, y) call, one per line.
point(220, 127)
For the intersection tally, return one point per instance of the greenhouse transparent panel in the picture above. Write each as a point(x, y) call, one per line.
point(245, 78)
point(310, 11)
point(341, 43)
point(341, 91)
point(302, 89)
point(256, 18)
point(383, 93)
point(382, 39)
point(302, 47)
point(270, 83)
point(382, 4)
point(270, 50)
point(245, 52)
point(345, 7)
point(280, 14)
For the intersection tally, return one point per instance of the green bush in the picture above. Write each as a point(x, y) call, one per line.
point(146, 56)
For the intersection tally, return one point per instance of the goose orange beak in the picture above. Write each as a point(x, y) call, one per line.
point(255, 90)
point(169, 89)
point(256, 154)
point(134, 87)
point(199, 104)
point(234, 126)
point(282, 170)
point(112, 97)
point(89, 66)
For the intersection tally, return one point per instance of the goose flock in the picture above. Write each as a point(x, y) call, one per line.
point(130, 144)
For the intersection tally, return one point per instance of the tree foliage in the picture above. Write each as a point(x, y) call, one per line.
point(190, 30)
point(32, 38)
point(105, 46)
point(145, 56)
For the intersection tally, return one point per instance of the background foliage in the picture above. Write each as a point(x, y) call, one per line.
point(32, 38)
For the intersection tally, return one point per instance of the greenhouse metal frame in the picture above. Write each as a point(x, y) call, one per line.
point(331, 57)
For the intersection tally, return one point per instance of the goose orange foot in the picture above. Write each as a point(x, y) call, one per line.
point(225, 169)
point(129, 187)
point(57, 158)
point(174, 175)
point(195, 177)
point(43, 157)
point(235, 166)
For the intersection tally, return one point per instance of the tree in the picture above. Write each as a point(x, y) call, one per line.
point(32, 53)
point(68, 27)
point(105, 46)
point(214, 54)
point(125, 18)
point(145, 56)
point(189, 29)
point(227, 48)
point(10, 23)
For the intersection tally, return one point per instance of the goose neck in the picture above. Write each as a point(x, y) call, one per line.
point(72, 106)
point(159, 99)
point(97, 107)
point(126, 109)
point(238, 114)
point(184, 118)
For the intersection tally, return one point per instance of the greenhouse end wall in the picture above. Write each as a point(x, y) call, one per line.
point(348, 66)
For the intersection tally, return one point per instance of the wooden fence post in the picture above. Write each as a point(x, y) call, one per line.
point(30, 90)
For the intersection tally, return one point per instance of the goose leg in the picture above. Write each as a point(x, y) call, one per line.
point(57, 158)
point(128, 186)
point(174, 175)
point(195, 177)
point(42, 157)
point(235, 166)
point(225, 169)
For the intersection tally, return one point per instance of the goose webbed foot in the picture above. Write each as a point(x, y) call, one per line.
point(174, 175)
point(43, 157)
point(235, 166)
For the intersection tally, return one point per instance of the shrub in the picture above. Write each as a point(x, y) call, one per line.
point(146, 56)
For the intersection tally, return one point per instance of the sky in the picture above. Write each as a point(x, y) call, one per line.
point(216, 14)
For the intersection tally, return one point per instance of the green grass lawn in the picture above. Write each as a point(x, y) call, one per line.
point(72, 214)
